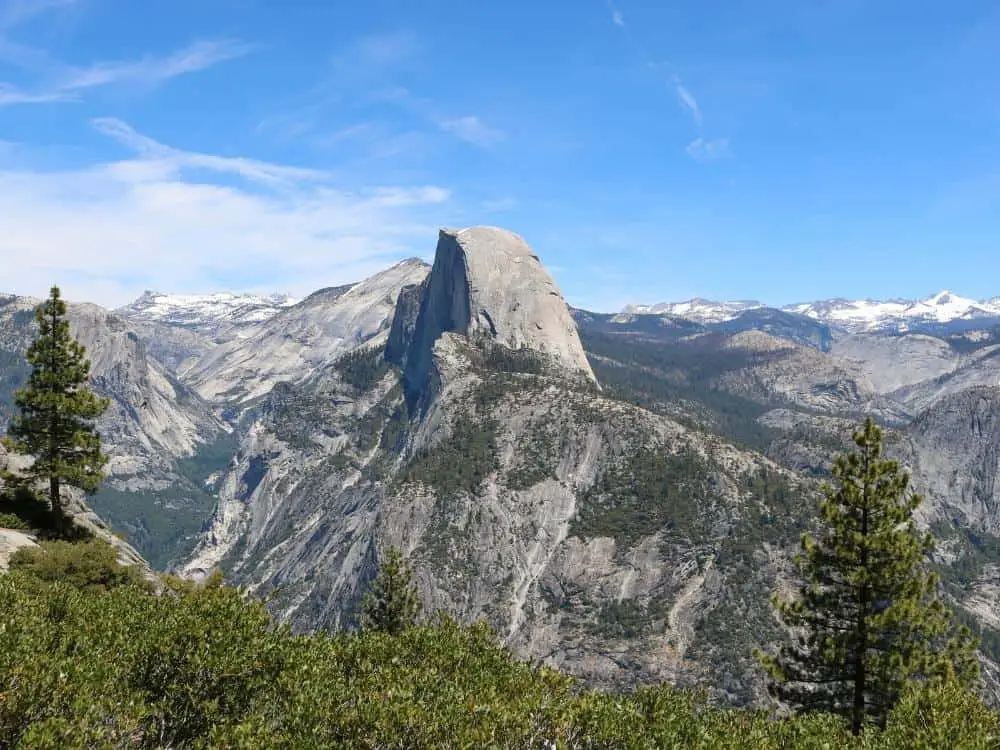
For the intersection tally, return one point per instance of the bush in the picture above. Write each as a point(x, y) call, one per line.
point(12, 521)
point(90, 566)
point(205, 667)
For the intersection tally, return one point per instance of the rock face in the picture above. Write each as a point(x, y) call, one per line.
point(154, 425)
point(153, 419)
point(508, 490)
point(298, 340)
point(487, 282)
point(955, 449)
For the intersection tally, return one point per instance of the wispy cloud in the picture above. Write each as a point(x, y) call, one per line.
point(686, 98)
point(10, 95)
point(473, 130)
point(499, 205)
point(67, 83)
point(15, 12)
point(372, 56)
point(702, 149)
point(181, 220)
point(175, 160)
point(152, 70)
point(684, 95)
point(616, 16)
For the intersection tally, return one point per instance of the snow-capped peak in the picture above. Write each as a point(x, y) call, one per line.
point(205, 311)
point(697, 309)
point(865, 314)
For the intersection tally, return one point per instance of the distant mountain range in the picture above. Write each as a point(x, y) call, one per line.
point(850, 315)
point(205, 312)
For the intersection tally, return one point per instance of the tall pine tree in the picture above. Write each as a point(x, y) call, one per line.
point(57, 409)
point(867, 619)
point(392, 605)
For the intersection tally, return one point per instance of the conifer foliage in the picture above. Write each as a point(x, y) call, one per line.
point(867, 620)
point(57, 409)
point(392, 605)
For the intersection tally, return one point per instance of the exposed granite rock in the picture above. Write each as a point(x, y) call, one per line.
point(153, 419)
point(955, 451)
point(488, 283)
point(300, 339)
point(79, 513)
point(11, 541)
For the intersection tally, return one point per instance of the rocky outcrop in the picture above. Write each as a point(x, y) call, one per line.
point(775, 370)
point(955, 452)
point(78, 512)
point(299, 340)
point(488, 283)
point(11, 540)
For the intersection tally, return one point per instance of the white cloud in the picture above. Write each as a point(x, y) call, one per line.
point(473, 130)
point(10, 95)
point(174, 160)
point(616, 16)
point(14, 12)
point(686, 99)
point(65, 83)
point(701, 149)
point(151, 70)
point(106, 232)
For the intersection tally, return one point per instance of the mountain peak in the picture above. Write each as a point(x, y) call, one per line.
point(486, 281)
point(852, 315)
point(206, 312)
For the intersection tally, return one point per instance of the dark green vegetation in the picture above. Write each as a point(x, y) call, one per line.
point(162, 523)
point(364, 367)
point(392, 605)
point(645, 492)
point(91, 565)
point(57, 409)
point(657, 376)
point(867, 620)
point(98, 661)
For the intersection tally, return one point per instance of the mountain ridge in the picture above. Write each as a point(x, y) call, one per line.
point(849, 315)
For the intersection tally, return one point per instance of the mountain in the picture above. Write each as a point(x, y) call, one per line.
point(697, 309)
point(210, 314)
point(154, 429)
point(847, 315)
point(611, 492)
point(302, 338)
point(479, 445)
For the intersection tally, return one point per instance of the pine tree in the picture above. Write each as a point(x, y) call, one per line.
point(57, 409)
point(867, 619)
point(392, 605)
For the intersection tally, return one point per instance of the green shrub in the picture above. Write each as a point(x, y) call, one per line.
point(206, 667)
point(12, 521)
point(91, 565)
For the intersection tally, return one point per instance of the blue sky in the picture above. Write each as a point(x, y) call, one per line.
point(781, 150)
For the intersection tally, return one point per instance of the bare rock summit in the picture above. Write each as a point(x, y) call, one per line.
point(488, 283)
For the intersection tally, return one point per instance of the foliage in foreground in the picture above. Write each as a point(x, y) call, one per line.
point(204, 667)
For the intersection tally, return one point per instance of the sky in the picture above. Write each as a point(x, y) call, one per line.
point(780, 150)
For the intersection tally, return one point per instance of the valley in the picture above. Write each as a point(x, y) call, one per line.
point(616, 494)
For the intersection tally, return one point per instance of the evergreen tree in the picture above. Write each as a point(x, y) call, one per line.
point(392, 605)
point(867, 620)
point(57, 409)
